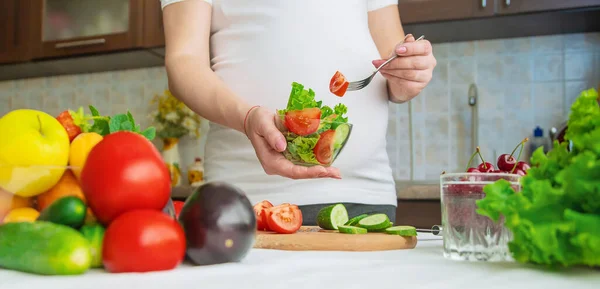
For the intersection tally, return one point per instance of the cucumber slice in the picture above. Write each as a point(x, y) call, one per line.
point(383, 228)
point(341, 134)
point(355, 220)
point(330, 217)
point(406, 231)
point(374, 222)
point(351, 230)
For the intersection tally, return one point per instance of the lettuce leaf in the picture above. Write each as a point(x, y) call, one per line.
point(301, 149)
point(555, 218)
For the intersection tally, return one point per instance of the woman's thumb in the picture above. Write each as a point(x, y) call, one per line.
point(273, 136)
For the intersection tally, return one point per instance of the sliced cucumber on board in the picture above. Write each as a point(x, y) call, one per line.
point(374, 222)
point(331, 217)
point(406, 231)
point(353, 221)
point(351, 230)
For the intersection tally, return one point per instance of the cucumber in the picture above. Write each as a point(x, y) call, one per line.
point(43, 248)
point(355, 220)
point(374, 222)
point(383, 228)
point(95, 236)
point(341, 134)
point(406, 231)
point(330, 217)
point(69, 211)
point(351, 230)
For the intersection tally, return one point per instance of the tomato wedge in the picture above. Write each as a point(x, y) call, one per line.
point(324, 148)
point(303, 122)
point(338, 84)
point(261, 216)
point(284, 219)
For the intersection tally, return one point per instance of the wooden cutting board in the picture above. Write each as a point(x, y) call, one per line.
point(310, 238)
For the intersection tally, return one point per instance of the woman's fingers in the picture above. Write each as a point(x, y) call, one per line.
point(413, 62)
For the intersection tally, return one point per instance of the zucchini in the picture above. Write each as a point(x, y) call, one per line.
point(332, 216)
point(43, 248)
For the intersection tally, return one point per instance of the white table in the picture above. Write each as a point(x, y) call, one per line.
point(422, 267)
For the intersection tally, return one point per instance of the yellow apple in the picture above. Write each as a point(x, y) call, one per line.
point(34, 152)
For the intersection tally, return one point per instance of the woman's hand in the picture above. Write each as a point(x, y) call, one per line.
point(409, 73)
point(269, 142)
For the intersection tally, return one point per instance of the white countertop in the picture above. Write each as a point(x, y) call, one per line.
point(422, 267)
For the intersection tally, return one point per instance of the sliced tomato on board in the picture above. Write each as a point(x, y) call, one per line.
point(261, 216)
point(303, 122)
point(284, 219)
point(338, 84)
point(324, 148)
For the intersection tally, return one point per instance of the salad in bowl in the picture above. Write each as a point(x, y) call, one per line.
point(315, 133)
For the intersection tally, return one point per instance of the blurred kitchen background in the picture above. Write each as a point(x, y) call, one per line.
point(521, 63)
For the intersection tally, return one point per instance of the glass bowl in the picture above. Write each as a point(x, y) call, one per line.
point(313, 142)
point(468, 235)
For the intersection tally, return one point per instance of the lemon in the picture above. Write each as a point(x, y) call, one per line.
point(22, 215)
point(80, 149)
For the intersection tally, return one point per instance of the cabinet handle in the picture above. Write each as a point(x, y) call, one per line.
point(507, 2)
point(80, 43)
point(483, 3)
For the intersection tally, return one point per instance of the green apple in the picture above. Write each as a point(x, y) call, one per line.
point(34, 152)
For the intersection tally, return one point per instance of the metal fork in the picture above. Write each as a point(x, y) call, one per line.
point(360, 84)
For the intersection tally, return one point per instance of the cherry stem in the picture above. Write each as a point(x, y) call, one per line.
point(481, 157)
point(520, 144)
point(518, 157)
point(471, 159)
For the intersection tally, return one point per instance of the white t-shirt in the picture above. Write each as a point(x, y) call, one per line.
point(259, 48)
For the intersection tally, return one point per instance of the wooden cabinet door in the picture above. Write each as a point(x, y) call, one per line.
point(66, 27)
point(421, 11)
point(14, 30)
point(154, 33)
point(523, 6)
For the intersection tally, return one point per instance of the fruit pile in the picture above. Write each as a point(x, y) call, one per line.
point(75, 196)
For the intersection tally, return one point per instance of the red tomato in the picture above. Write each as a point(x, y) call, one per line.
point(68, 123)
point(324, 148)
point(178, 205)
point(261, 217)
point(124, 172)
point(338, 84)
point(143, 241)
point(303, 122)
point(284, 219)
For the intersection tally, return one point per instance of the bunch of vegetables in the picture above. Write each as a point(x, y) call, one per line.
point(555, 219)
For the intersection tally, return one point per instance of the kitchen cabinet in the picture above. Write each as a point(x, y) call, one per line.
point(526, 6)
point(66, 27)
point(153, 34)
point(13, 30)
point(419, 11)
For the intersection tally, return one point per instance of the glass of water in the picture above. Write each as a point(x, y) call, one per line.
point(468, 235)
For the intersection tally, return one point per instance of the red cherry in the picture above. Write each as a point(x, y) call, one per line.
point(473, 170)
point(523, 166)
point(506, 162)
point(486, 167)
